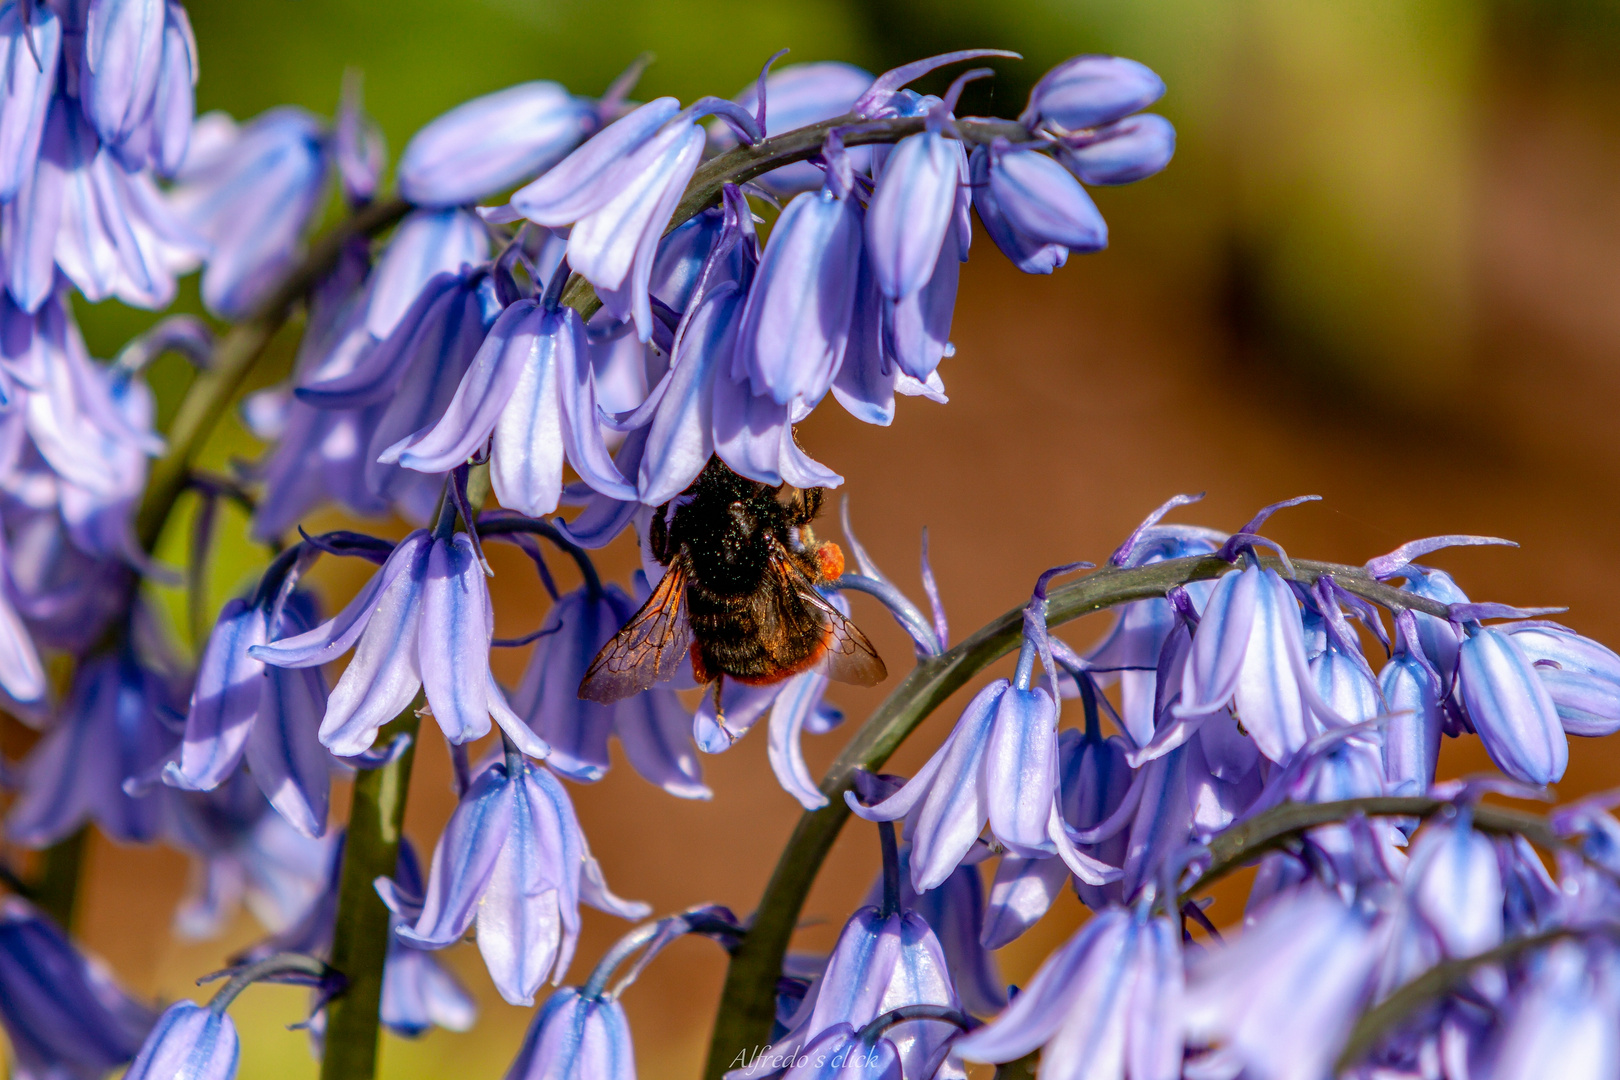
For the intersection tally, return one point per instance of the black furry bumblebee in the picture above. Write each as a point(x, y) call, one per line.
point(739, 597)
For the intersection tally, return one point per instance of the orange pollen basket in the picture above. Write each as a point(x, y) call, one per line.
point(830, 560)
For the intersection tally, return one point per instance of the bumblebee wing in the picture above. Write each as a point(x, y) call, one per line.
point(649, 648)
point(849, 657)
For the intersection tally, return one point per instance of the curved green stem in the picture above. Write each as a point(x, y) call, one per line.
point(1248, 840)
point(747, 1001)
point(1402, 1006)
point(311, 970)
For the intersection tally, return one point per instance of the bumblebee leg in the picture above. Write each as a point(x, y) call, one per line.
point(719, 712)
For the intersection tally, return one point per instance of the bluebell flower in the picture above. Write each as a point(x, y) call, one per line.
point(797, 96)
point(1106, 1005)
point(1562, 1022)
point(870, 375)
point(653, 727)
point(1249, 649)
point(244, 852)
point(486, 145)
point(578, 1037)
point(1530, 897)
point(881, 962)
point(689, 247)
point(1358, 857)
point(602, 517)
point(22, 676)
point(681, 432)
point(114, 726)
point(1510, 707)
point(1280, 1001)
point(1225, 774)
point(1094, 781)
point(189, 1042)
point(1089, 91)
point(955, 910)
point(270, 715)
point(914, 206)
point(407, 383)
point(618, 192)
point(999, 764)
point(1455, 882)
point(92, 427)
point(1136, 642)
point(966, 784)
point(1412, 692)
point(513, 860)
point(532, 387)
point(108, 229)
point(917, 328)
point(66, 597)
point(251, 192)
point(754, 436)
point(797, 708)
point(917, 232)
point(417, 992)
point(796, 321)
point(1342, 677)
point(1581, 676)
point(841, 1052)
point(1122, 152)
point(321, 454)
point(1032, 207)
point(28, 71)
point(64, 1016)
point(742, 706)
point(137, 76)
point(427, 243)
point(1437, 637)
point(175, 103)
point(423, 622)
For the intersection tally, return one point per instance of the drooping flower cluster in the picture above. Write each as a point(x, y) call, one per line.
point(609, 314)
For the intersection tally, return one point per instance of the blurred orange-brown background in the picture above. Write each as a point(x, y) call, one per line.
point(1384, 268)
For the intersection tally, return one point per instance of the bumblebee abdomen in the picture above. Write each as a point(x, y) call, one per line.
point(750, 638)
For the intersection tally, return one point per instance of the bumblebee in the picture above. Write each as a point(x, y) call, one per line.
point(739, 597)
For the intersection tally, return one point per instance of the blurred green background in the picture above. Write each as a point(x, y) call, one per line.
point(1385, 265)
